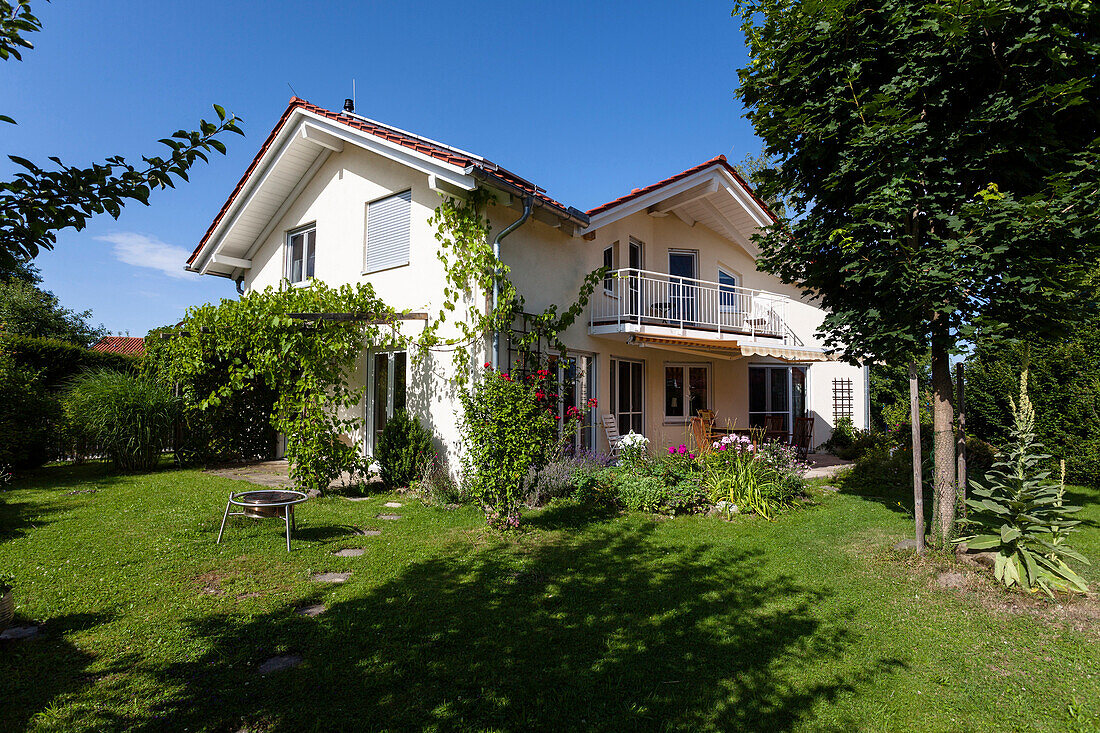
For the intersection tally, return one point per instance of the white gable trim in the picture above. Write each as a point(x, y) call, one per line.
point(305, 131)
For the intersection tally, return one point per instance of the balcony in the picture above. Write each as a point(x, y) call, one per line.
point(641, 301)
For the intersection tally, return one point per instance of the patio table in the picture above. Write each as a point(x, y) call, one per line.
point(264, 503)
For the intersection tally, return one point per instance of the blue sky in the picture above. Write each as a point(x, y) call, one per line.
point(587, 99)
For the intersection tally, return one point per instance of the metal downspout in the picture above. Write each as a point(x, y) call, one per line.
point(528, 203)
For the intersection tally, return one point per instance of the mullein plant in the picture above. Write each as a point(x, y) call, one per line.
point(1023, 513)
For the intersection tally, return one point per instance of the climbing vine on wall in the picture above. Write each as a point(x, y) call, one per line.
point(218, 351)
point(463, 230)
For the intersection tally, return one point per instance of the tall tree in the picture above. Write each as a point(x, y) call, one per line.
point(938, 160)
point(37, 203)
point(27, 310)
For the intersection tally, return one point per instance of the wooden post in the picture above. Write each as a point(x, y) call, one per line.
point(918, 486)
point(960, 439)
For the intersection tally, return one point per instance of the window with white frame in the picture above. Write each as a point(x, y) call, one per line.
point(777, 396)
point(728, 282)
point(687, 390)
point(388, 232)
point(387, 390)
point(301, 253)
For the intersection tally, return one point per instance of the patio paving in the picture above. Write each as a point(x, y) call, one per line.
point(273, 474)
point(825, 465)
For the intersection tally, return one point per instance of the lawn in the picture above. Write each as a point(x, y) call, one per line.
point(587, 620)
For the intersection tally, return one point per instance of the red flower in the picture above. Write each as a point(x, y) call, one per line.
point(487, 365)
point(505, 377)
point(591, 402)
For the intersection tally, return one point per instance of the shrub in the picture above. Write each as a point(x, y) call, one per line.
point(404, 447)
point(640, 493)
point(29, 413)
point(128, 417)
point(552, 481)
point(595, 485)
point(849, 443)
point(1024, 514)
point(509, 426)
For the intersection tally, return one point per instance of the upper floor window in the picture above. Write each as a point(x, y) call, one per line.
point(301, 252)
point(727, 291)
point(609, 263)
point(388, 232)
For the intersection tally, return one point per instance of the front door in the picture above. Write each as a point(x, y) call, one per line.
point(682, 272)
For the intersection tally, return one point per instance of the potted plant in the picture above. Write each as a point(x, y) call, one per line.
point(7, 600)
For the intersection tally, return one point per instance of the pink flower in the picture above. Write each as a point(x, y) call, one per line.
point(683, 449)
point(671, 451)
point(691, 456)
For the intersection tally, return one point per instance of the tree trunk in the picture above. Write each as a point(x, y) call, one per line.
point(943, 445)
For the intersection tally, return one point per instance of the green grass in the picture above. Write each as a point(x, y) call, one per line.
point(588, 620)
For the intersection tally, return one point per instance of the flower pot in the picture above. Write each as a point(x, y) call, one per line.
point(7, 608)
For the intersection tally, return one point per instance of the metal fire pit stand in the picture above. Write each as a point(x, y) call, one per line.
point(264, 503)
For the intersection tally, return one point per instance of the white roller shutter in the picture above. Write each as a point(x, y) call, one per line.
point(388, 232)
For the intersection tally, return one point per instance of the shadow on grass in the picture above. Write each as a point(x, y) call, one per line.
point(609, 629)
point(36, 671)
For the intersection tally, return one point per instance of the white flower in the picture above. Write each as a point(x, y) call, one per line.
point(632, 439)
point(375, 468)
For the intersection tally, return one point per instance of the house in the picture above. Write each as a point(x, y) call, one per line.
point(125, 345)
point(683, 322)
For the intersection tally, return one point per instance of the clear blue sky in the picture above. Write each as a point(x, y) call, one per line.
point(586, 99)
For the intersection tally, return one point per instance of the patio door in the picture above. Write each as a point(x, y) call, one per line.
point(778, 393)
point(576, 375)
point(682, 272)
point(627, 392)
point(386, 387)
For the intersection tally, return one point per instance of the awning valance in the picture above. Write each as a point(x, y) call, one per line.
point(729, 349)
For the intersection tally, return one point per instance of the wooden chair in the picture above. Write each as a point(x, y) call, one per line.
point(803, 439)
point(707, 415)
point(611, 430)
point(775, 428)
point(700, 433)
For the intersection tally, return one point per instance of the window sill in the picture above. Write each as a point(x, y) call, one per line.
point(384, 269)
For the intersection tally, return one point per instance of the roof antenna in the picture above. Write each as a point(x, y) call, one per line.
point(292, 90)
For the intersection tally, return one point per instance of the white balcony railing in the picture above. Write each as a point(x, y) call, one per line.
point(643, 297)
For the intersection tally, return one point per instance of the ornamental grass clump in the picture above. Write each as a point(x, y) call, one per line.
point(1024, 514)
point(126, 417)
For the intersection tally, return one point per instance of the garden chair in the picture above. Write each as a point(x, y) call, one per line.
point(700, 433)
point(803, 438)
point(775, 427)
point(611, 429)
point(707, 415)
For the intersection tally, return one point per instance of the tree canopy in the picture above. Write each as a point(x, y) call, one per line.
point(938, 160)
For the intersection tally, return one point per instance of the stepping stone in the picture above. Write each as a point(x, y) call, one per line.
point(349, 552)
point(312, 611)
point(370, 532)
point(15, 633)
point(277, 664)
point(392, 504)
point(358, 498)
point(389, 516)
point(329, 577)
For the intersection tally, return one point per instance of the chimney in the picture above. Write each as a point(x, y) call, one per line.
point(349, 105)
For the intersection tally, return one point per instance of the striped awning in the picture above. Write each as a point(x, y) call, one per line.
point(730, 349)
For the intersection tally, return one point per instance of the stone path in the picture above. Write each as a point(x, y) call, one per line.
point(277, 664)
point(392, 504)
point(330, 577)
point(16, 633)
point(349, 552)
point(312, 611)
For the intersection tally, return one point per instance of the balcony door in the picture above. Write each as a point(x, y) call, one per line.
point(682, 271)
point(635, 263)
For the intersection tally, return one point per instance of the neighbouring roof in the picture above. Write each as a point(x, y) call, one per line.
point(718, 160)
point(127, 345)
point(443, 153)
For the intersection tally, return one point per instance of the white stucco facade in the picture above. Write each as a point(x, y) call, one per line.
point(313, 173)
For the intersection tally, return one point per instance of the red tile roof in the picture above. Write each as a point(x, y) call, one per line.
point(128, 345)
point(719, 160)
point(427, 147)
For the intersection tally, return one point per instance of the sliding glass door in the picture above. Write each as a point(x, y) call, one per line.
point(627, 393)
point(777, 396)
